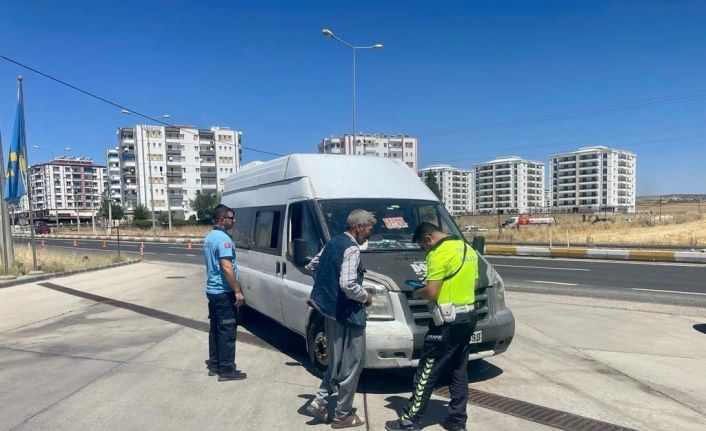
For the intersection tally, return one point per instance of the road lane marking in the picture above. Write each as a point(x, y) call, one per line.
point(668, 291)
point(543, 267)
point(553, 282)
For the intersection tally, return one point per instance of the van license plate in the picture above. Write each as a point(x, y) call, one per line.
point(477, 337)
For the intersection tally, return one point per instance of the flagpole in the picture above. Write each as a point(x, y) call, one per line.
point(8, 252)
point(25, 175)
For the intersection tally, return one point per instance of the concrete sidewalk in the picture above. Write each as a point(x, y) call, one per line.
point(123, 349)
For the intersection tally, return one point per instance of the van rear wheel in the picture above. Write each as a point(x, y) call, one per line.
point(317, 346)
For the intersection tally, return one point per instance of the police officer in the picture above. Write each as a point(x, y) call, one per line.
point(452, 277)
point(224, 296)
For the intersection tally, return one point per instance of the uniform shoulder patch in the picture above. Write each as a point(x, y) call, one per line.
point(226, 245)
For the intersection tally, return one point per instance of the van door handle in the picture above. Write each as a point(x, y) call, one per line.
point(277, 268)
point(284, 268)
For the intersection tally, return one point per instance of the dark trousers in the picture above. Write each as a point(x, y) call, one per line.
point(446, 349)
point(221, 335)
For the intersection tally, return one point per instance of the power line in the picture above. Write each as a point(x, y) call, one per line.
point(122, 107)
point(588, 112)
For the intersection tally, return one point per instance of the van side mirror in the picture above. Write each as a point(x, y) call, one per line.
point(300, 252)
point(478, 244)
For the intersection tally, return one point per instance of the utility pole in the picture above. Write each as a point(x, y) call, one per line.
point(8, 252)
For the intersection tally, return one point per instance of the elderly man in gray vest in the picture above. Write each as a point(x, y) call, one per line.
point(339, 296)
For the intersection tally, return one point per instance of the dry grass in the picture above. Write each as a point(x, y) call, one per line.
point(52, 261)
point(680, 224)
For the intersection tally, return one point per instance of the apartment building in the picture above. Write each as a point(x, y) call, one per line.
point(593, 179)
point(509, 185)
point(65, 188)
point(456, 186)
point(169, 166)
point(398, 147)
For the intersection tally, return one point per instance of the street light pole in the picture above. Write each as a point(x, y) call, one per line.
point(328, 33)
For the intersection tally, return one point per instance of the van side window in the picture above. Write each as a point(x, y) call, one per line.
point(242, 232)
point(267, 230)
point(302, 225)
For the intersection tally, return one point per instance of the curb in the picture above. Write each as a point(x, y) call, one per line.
point(50, 275)
point(596, 253)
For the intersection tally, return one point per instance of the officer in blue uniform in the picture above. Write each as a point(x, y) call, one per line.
point(224, 296)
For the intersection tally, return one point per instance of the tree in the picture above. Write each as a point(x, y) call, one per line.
point(116, 211)
point(203, 204)
point(163, 218)
point(140, 212)
point(430, 181)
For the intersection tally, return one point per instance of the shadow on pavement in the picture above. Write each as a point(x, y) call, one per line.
point(435, 413)
point(394, 381)
point(701, 327)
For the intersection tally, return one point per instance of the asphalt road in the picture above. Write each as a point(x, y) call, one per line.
point(671, 283)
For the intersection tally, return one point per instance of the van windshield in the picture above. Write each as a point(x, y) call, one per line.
point(396, 219)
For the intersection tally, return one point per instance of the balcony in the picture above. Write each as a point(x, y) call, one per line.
point(175, 175)
point(208, 175)
point(175, 160)
point(173, 152)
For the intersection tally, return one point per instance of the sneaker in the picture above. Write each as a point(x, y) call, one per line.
point(452, 426)
point(233, 375)
point(351, 420)
point(319, 411)
point(212, 372)
point(402, 424)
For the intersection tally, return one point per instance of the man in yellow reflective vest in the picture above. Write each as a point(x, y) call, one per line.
point(452, 278)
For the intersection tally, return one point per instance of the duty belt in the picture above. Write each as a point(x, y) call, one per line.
point(464, 308)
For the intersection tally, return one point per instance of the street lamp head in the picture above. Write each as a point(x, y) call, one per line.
point(377, 46)
point(125, 111)
point(166, 116)
point(67, 149)
point(327, 32)
point(37, 147)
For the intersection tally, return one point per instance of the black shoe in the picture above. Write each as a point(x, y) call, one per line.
point(212, 372)
point(400, 424)
point(233, 375)
point(452, 426)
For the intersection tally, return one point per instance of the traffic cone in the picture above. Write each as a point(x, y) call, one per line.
point(105, 244)
point(75, 244)
point(189, 246)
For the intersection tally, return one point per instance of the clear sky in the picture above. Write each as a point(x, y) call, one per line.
point(460, 75)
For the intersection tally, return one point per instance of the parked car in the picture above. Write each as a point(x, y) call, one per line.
point(42, 229)
point(473, 228)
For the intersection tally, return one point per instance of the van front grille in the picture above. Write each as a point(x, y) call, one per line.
point(422, 316)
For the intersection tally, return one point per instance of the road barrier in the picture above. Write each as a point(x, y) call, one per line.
point(180, 240)
point(598, 253)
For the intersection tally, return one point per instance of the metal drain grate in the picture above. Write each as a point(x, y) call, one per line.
point(535, 413)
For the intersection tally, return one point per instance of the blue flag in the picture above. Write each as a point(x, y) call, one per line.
point(17, 161)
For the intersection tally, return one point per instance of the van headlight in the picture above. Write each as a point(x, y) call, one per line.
point(499, 293)
point(381, 308)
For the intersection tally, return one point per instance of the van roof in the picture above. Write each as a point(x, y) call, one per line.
point(336, 176)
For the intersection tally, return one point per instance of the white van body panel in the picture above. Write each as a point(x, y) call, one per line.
point(330, 177)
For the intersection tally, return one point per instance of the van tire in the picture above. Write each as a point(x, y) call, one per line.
point(316, 345)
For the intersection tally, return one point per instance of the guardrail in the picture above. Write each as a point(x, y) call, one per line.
point(193, 240)
point(598, 253)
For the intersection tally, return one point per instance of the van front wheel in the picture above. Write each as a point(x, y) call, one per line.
point(317, 346)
